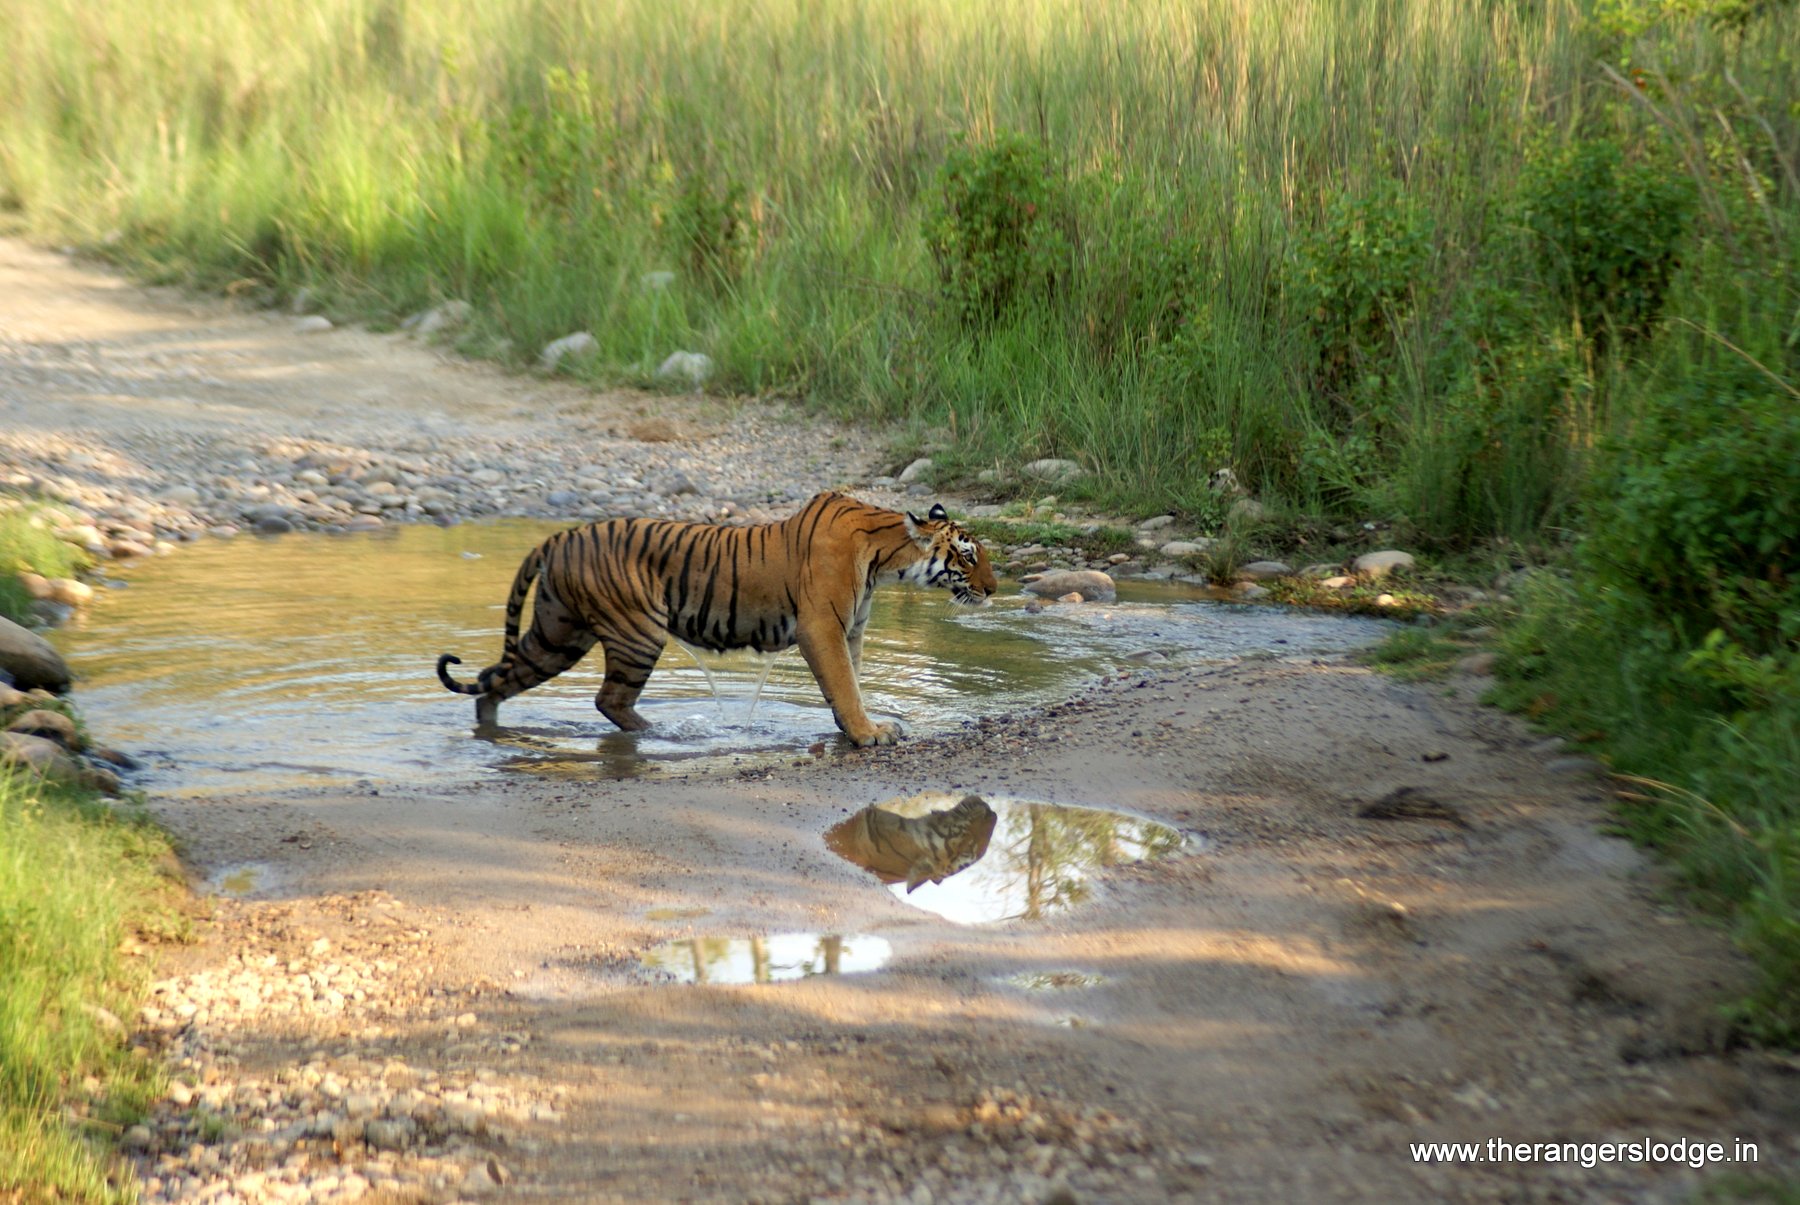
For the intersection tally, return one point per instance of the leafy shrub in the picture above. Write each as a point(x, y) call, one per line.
point(1353, 276)
point(1608, 232)
point(1701, 513)
point(995, 226)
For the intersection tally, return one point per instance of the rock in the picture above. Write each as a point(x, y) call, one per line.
point(1091, 584)
point(1340, 582)
point(30, 660)
point(391, 1135)
point(656, 280)
point(312, 324)
point(39, 756)
point(1058, 472)
point(1258, 571)
point(69, 592)
point(694, 367)
point(137, 1138)
point(105, 1018)
point(273, 525)
point(570, 347)
point(916, 470)
point(82, 535)
point(1246, 510)
point(181, 495)
point(1478, 663)
point(1156, 523)
point(36, 585)
point(446, 317)
point(1175, 548)
point(1225, 481)
point(1377, 565)
point(1252, 592)
point(50, 725)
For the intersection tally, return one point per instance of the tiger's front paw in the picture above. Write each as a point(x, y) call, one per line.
point(880, 734)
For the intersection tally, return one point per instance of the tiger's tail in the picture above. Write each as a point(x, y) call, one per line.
point(515, 607)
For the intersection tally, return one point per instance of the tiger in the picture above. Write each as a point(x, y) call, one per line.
point(915, 849)
point(808, 580)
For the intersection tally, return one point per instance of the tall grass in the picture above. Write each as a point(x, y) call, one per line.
point(540, 156)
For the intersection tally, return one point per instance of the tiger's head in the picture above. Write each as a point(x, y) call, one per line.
point(953, 560)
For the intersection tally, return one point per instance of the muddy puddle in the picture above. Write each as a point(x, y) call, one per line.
point(979, 860)
point(260, 663)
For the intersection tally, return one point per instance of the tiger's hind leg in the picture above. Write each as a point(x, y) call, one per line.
point(555, 641)
point(629, 662)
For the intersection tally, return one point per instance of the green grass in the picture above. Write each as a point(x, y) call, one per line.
point(27, 542)
point(1217, 295)
point(77, 879)
point(1090, 540)
point(1416, 655)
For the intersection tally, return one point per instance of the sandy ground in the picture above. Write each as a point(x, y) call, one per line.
point(1281, 1011)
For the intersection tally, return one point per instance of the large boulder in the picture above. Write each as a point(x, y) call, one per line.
point(30, 660)
point(1090, 584)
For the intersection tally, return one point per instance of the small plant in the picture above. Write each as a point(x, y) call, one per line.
point(1608, 232)
point(994, 227)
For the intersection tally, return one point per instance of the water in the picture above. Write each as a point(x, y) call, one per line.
point(1040, 859)
point(773, 959)
point(258, 663)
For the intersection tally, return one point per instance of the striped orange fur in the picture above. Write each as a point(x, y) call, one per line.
point(808, 580)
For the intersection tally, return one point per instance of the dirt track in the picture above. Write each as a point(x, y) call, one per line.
point(1281, 1013)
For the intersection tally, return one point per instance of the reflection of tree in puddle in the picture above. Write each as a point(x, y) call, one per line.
point(772, 959)
point(1040, 858)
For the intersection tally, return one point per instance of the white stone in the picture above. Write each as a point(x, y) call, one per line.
point(1053, 470)
point(917, 469)
point(569, 347)
point(312, 324)
point(1377, 565)
point(692, 366)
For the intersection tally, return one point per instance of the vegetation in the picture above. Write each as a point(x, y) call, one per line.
point(1499, 275)
point(79, 883)
point(27, 543)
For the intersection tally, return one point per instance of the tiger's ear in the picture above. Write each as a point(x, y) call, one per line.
point(938, 513)
point(915, 530)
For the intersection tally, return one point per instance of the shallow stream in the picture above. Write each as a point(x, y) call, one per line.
point(300, 660)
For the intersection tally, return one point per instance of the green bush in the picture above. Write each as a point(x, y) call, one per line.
point(1678, 645)
point(996, 227)
point(1354, 275)
point(1608, 232)
point(1702, 515)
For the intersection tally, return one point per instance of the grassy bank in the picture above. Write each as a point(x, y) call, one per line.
point(1324, 243)
point(79, 882)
